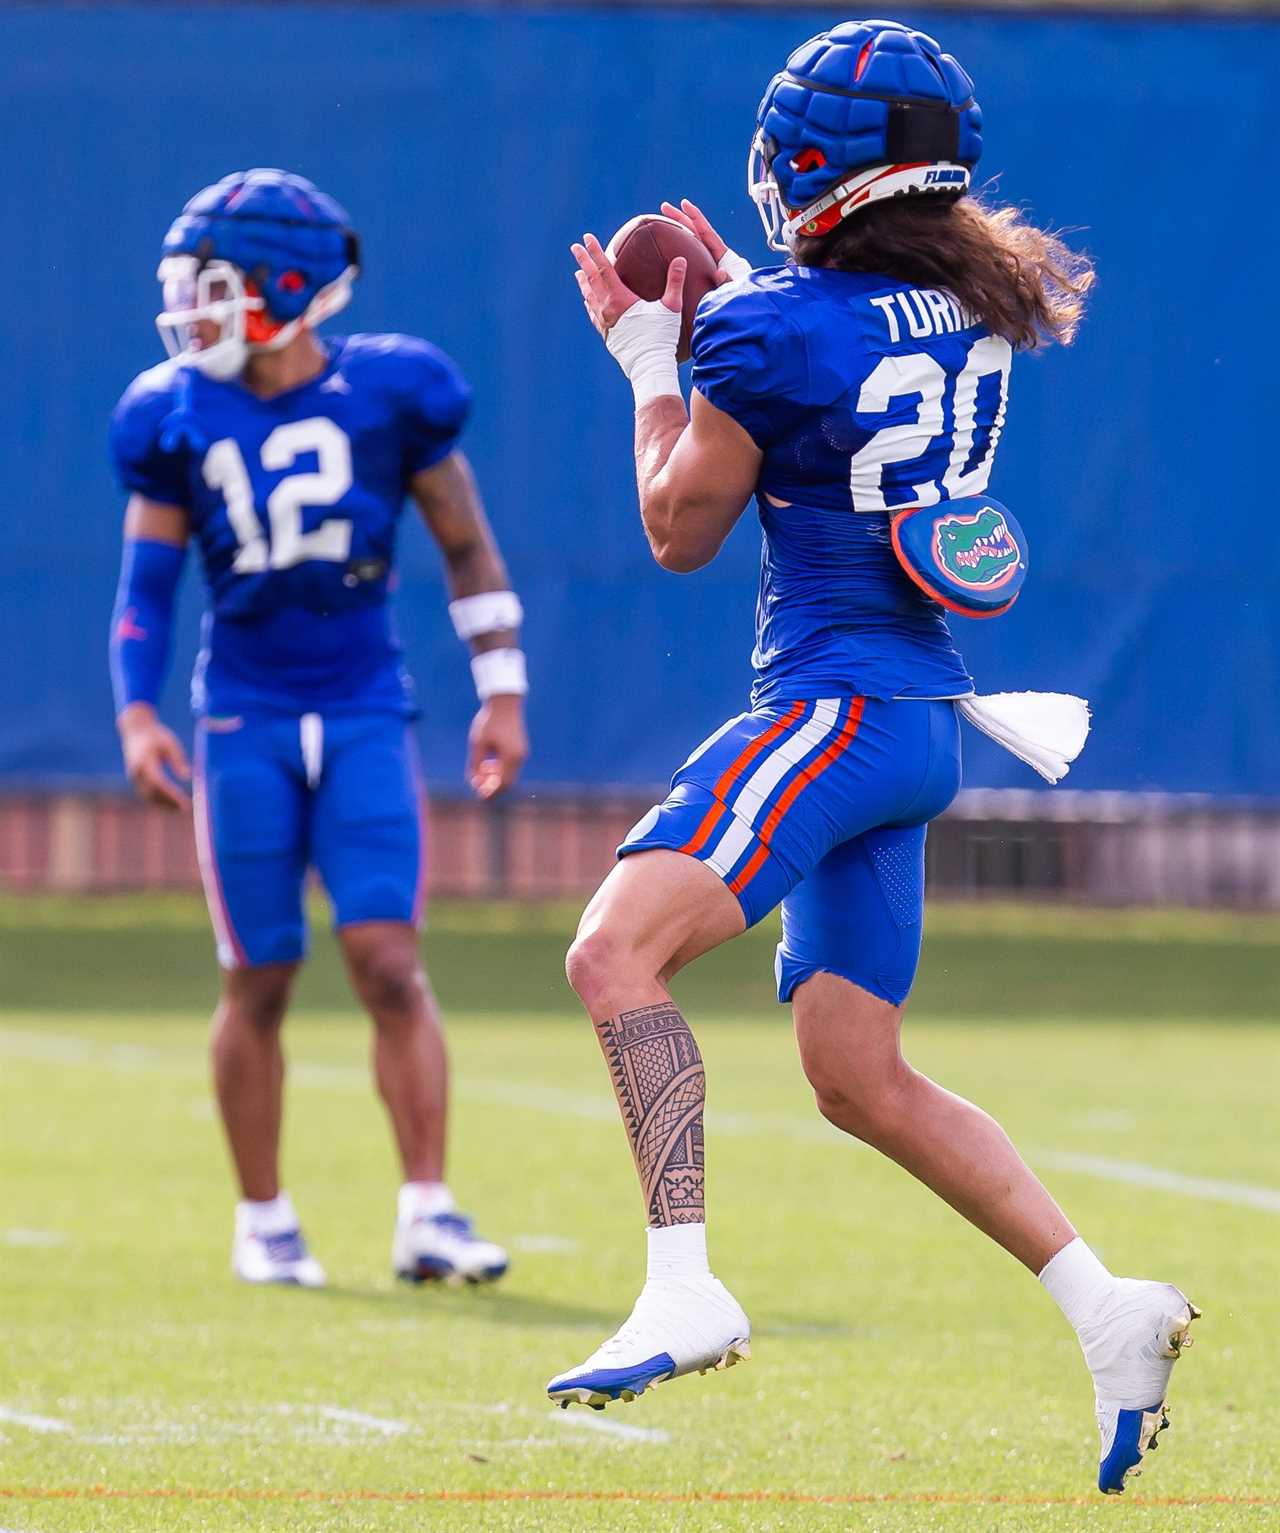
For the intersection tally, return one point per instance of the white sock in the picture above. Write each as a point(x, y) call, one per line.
point(275, 1216)
point(677, 1251)
point(1077, 1282)
point(423, 1200)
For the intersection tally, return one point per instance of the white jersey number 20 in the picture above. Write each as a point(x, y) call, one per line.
point(224, 470)
point(893, 378)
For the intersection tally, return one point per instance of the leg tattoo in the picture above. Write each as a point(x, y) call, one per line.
point(658, 1076)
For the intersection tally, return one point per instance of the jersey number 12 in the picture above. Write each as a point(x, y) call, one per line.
point(288, 545)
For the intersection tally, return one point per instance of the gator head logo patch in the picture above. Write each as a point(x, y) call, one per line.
point(976, 550)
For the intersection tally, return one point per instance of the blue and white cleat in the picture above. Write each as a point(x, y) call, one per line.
point(1131, 1349)
point(281, 1257)
point(444, 1248)
point(678, 1325)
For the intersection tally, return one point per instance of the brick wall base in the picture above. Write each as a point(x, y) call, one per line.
point(1104, 848)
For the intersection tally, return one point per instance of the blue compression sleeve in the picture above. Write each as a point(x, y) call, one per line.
point(142, 622)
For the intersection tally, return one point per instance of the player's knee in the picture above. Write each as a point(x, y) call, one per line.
point(256, 998)
point(596, 962)
point(585, 964)
point(389, 979)
point(866, 1102)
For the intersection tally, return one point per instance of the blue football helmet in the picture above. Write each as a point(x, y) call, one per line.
point(869, 109)
point(259, 255)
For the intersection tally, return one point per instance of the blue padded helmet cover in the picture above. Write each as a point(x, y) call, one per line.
point(865, 93)
point(282, 231)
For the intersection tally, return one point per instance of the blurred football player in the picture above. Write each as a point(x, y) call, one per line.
point(288, 459)
point(866, 374)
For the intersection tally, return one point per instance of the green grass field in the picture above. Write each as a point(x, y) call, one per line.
point(906, 1374)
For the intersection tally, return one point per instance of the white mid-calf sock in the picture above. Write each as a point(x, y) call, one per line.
point(423, 1200)
point(274, 1216)
point(1077, 1282)
point(677, 1250)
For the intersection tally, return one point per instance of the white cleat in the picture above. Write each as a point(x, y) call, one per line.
point(678, 1325)
point(444, 1248)
point(1131, 1349)
point(280, 1258)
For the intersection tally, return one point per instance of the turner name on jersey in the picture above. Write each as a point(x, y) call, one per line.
point(921, 312)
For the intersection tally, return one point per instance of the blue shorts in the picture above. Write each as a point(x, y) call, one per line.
point(821, 806)
point(277, 795)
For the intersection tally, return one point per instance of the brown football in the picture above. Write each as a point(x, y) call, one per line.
point(645, 247)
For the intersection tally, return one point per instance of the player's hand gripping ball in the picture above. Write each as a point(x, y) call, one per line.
point(642, 252)
point(674, 259)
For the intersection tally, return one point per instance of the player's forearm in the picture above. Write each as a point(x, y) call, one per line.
point(451, 507)
point(681, 538)
point(142, 623)
point(486, 615)
point(474, 567)
point(478, 570)
point(659, 426)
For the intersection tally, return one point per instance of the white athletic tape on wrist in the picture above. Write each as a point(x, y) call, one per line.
point(485, 612)
point(643, 343)
point(500, 672)
point(734, 266)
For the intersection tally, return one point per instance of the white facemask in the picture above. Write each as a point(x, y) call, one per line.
point(215, 294)
point(211, 294)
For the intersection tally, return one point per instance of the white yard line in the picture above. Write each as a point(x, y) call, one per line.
point(32, 1422)
point(539, 1245)
point(60, 1048)
point(360, 1419)
point(34, 1238)
point(555, 1099)
point(1208, 1189)
point(539, 1098)
point(597, 1422)
point(283, 1422)
point(603, 1109)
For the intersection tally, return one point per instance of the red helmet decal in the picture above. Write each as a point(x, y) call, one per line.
point(259, 327)
point(809, 159)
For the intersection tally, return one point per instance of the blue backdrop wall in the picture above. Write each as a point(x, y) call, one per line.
point(471, 145)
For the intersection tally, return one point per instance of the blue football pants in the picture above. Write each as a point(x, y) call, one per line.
point(821, 806)
point(277, 795)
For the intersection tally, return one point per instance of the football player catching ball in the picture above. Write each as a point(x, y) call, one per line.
point(863, 377)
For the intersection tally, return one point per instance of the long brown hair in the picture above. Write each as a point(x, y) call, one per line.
point(1021, 282)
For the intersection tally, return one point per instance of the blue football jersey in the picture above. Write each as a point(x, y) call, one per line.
point(294, 503)
point(865, 395)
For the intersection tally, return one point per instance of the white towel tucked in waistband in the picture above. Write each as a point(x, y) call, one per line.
point(1047, 730)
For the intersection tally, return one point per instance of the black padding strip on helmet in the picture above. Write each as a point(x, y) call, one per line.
point(918, 132)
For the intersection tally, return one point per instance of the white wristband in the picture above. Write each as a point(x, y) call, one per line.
point(485, 612)
point(735, 266)
point(643, 343)
point(500, 672)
